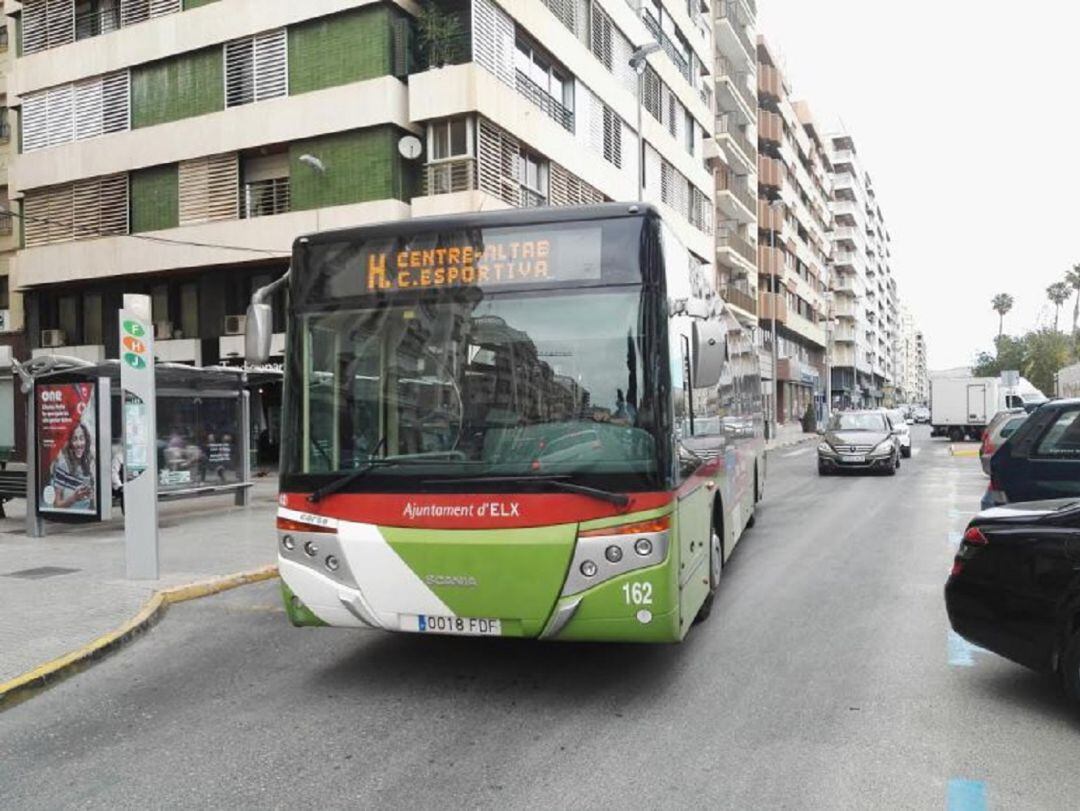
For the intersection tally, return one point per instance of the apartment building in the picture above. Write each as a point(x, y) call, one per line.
point(794, 221)
point(176, 147)
point(866, 307)
point(10, 302)
point(913, 384)
point(736, 178)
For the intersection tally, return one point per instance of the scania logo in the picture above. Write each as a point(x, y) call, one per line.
point(466, 580)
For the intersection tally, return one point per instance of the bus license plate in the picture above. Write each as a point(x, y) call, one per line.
point(461, 626)
point(854, 459)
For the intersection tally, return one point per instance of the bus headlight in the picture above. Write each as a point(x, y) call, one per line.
point(643, 546)
point(311, 549)
point(601, 554)
point(332, 563)
point(613, 554)
point(588, 568)
point(289, 542)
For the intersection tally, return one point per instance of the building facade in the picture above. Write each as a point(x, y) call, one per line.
point(736, 177)
point(913, 384)
point(794, 221)
point(11, 315)
point(866, 317)
point(177, 147)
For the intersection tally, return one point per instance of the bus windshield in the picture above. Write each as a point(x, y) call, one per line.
point(463, 384)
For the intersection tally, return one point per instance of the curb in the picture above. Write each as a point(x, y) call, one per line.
point(23, 687)
point(791, 443)
point(963, 452)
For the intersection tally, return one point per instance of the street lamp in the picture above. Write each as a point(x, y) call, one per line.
point(637, 63)
point(320, 169)
point(776, 204)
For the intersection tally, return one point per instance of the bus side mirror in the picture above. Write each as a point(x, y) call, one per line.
point(710, 353)
point(258, 333)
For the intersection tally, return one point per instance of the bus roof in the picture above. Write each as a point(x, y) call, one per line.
point(536, 215)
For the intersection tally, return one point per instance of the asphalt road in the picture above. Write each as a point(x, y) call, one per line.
point(826, 678)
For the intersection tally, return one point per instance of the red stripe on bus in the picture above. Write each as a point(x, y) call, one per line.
point(469, 511)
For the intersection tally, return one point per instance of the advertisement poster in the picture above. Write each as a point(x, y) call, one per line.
point(67, 448)
point(197, 441)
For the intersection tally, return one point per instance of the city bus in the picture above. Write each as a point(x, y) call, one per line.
point(539, 423)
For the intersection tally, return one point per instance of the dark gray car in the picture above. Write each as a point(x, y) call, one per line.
point(859, 440)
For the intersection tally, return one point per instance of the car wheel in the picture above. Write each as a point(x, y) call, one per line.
point(1069, 668)
point(894, 466)
point(905, 452)
point(716, 570)
point(822, 470)
point(956, 434)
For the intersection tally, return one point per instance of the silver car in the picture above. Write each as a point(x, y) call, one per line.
point(903, 431)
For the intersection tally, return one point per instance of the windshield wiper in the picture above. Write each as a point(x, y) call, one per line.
point(348, 478)
point(555, 483)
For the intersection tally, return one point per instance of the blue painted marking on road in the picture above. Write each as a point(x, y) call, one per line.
point(967, 795)
point(955, 538)
point(960, 651)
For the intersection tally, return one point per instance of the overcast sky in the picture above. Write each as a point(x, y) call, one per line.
point(965, 113)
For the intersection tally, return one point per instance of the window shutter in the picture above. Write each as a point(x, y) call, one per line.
point(159, 8)
point(567, 189)
point(60, 114)
point(35, 127)
point(35, 26)
point(493, 41)
point(612, 137)
point(497, 156)
point(652, 93)
point(621, 51)
point(590, 120)
point(61, 22)
point(239, 72)
point(116, 101)
point(209, 189)
point(88, 109)
point(134, 11)
point(601, 35)
point(48, 214)
point(271, 65)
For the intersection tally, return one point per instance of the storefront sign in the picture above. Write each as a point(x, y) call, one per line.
point(66, 425)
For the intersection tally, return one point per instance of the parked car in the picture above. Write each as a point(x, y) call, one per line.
point(921, 415)
point(1014, 588)
point(859, 440)
point(903, 432)
point(1041, 460)
point(1001, 427)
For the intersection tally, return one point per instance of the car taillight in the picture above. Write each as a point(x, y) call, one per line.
point(987, 446)
point(996, 493)
point(975, 537)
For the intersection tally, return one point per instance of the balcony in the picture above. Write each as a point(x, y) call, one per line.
point(770, 82)
point(554, 109)
point(95, 23)
point(844, 308)
point(846, 284)
point(769, 218)
point(740, 299)
point(450, 176)
point(844, 334)
point(264, 198)
point(770, 260)
point(728, 76)
point(725, 128)
point(668, 45)
point(733, 196)
point(766, 302)
point(729, 11)
point(739, 245)
point(770, 172)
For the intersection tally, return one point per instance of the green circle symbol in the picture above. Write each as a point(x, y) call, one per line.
point(134, 328)
point(134, 361)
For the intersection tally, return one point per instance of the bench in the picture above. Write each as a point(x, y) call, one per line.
point(12, 485)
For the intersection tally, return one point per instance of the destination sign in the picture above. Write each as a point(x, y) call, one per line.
point(496, 258)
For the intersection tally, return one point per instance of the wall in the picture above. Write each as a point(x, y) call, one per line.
point(188, 85)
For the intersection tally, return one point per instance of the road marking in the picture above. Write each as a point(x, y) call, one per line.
point(960, 651)
point(966, 795)
point(799, 452)
point(955, 538)
point(916, 451)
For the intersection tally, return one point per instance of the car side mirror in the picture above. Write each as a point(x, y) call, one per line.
point(710, 353)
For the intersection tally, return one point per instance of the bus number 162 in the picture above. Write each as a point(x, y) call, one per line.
point(637, 593)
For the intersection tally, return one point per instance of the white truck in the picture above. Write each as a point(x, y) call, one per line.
point(962, 407)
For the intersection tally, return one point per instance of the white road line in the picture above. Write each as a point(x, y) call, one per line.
point(915, 452)
point(799, 452)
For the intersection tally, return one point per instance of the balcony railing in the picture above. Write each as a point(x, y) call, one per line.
point(449, 176)
point(729, 10)
point(667, 43)
point(264, 198)
point(531, 198)
point(741, 246)
point(555, 109)
point(737, 80)
point(738, 136)
point(739, 189)
point(737, 297)
point(95, 23)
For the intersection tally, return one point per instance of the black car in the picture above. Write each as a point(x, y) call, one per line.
point(859, 440)
point(1041, 459)
point(1015, 586)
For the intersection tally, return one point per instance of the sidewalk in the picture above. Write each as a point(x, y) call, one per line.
point(46, 614)
point(788, 434)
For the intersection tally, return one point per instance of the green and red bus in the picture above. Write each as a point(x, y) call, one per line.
point(534, 423)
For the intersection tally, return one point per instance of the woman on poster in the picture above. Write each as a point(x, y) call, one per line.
point(73, 475)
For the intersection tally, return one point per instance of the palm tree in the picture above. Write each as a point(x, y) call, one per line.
point(1072, 278)
point(1058, 293)
point(1001, 303)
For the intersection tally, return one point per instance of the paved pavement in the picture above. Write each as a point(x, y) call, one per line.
point(58, 612)
point(825, 678)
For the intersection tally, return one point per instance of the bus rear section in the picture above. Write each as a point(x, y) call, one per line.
point(481, 432)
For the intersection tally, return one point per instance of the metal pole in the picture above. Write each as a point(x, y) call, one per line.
point(772, 287)
point(640, 139)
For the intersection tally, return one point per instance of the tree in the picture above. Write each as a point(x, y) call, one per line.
point(1058, 293)
point(1002, 303)
point(439, 34)
point(1072, 278)
point(1046, 352)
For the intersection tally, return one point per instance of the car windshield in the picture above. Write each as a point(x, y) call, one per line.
point(897, 417)
point(859, 422)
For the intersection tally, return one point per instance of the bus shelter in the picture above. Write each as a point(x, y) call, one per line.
point(76, 426)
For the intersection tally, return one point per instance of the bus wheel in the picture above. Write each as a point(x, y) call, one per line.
point(716, 569)
point(757, 497)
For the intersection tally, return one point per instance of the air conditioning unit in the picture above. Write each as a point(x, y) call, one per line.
point(163, 330)
point(235, 324)
point(51, 338)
